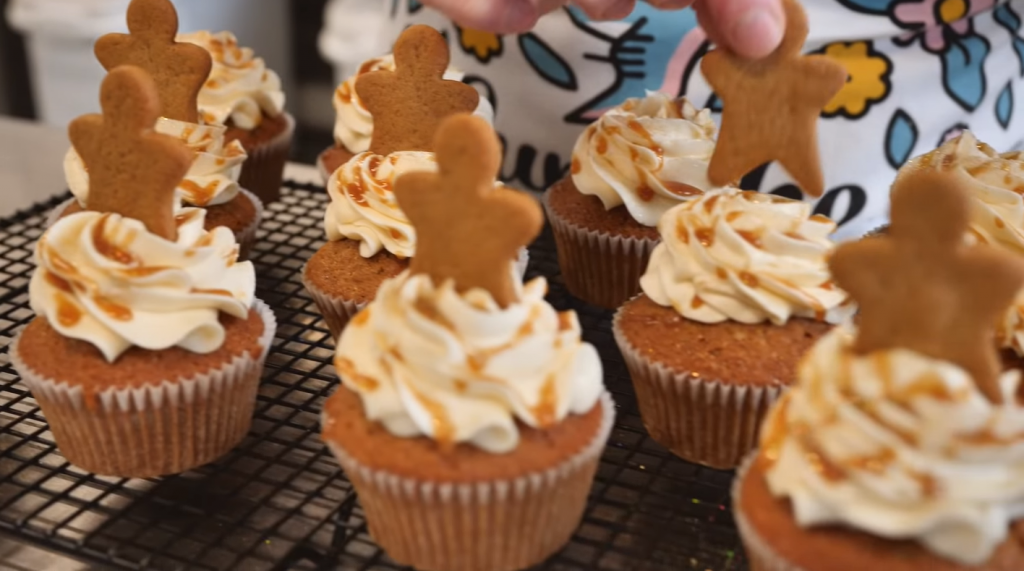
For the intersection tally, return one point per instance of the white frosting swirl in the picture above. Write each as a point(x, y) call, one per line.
point(747, 257)
point(996, 193)
point(647, 154)
point(240, 87)
point(900, 446)
point(106, 280)
point(426, 360)
point(212, 179)
point(353, 128)
point(363, 205)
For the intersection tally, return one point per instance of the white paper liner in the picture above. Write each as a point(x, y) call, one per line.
point(522, 262)
point(56, 213)
point(153, 430)
point(321, 167)
point(496, 525)
point(760, 556)
point(247, 237)
point(600, 269)
point(263, 170)
point(709, 422)
point(337, 312)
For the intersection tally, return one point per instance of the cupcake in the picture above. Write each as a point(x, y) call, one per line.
point(736, 292)
point(898, 448)
point(211, 183)
point(246, 97)
point(369, 238)
point(994, 184)
point(160, 339)
point(628, 168)
point(469, 408)
point(353, 128)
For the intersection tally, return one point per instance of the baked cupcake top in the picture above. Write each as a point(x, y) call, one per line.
point(455, 348)
point(648, 154)
point(746, 257)
point(240, 89)
point(212, 178)
point(906, 428)
point(127, 271)
point(353, 128)
point(996, 193)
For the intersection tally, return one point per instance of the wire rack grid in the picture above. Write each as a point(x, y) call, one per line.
point(279, 500)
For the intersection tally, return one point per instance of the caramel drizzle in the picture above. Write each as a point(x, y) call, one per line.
point(113, 310)
point(347, 370)
point(546, 410)
point(200, 195)
point(106, 248)
point(217, 292)
point(68, 314)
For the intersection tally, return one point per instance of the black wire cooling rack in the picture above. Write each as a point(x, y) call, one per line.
point(279, 500)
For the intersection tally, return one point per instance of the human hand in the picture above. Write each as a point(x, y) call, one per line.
point(751, 28)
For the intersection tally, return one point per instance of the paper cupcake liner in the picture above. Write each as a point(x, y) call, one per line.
point(522, 262)
point(493, 525)
point(58, 210)
point(156, 429)
point(321, 167)
point(336, 311)
point(759, 554)
point(247, 237)
point(700, 420)
point(263, 171)
point(600, 269)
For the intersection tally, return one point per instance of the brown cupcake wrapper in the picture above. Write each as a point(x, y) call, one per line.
point(247, 237)
point(599, 268)
point(701, 420)
point(263, 170)
point(336, 311)
point(156, 429)
point(494, 525)
point(760, 555)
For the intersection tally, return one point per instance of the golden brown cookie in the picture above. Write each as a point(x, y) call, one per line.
point(178, 68)
point(466, 229)
point(409, 104)
point(920, 287)
point(133, 170)
point(770, 107)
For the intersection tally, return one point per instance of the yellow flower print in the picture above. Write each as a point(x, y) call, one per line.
point(868, 81)
point(482, 45)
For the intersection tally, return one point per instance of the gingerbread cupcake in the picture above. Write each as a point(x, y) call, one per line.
point(628, 168)
point(160, 338)
point(246, 97)
point(468, 405)
point(212, 182)
point(898, 449)
point(996, 215)
point(370, 239)
point(353, 128)
point(736, 292)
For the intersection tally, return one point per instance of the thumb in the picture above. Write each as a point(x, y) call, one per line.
point(751, 28)
point(497, 16)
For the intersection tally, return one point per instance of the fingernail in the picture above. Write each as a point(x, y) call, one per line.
point(757, 33)
point(519, 17)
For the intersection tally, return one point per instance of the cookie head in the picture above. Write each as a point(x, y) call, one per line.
point(133, 171)
point(409, 104)
point(468, 230)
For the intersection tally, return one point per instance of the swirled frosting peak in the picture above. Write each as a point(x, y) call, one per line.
point(363, 205)
point(212, 179)
point(900, 446)
point(240, 88)
point(996, 190)
point(746, 257)
point(353, 128)
point(427, 360)
point(106, 280)
point(647, 154)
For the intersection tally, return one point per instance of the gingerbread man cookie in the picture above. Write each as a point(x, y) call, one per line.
point(922, 288)
point(133, 170)
point(467, 230)
point(178, 68)
point(770, 107)
point(409, 104)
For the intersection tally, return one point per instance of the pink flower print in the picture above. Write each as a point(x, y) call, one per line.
point(932, 19)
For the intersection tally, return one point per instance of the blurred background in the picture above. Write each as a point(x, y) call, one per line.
point(48, 72)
